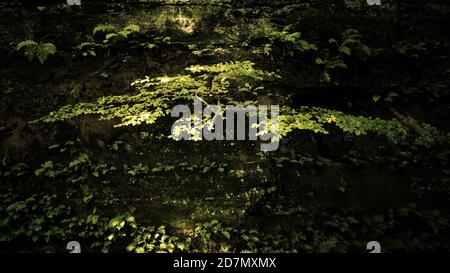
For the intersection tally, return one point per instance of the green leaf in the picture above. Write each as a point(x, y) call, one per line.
point(103, 29)
point(25, 43)
point(44, 50)
point(376, 98)
point(132, 28)
point(345, 50)
point(226, 234)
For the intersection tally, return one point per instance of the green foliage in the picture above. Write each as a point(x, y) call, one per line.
point(428, 135)
point(213, 236)
point(323, 232)
point(314, 119)
point(349, 47)
point(224, 83)
point(111, 35)
point(128, 30)
point(16, 170)
point(429, 89)
point(151, 239)
point(290, 43)
point(32, 50)
point(351, 44)
point(36, 218)
point(78, 167)
point(103, 29)
point(88, 48)
point(303, 160)
point(156, 96)
point(411, 50)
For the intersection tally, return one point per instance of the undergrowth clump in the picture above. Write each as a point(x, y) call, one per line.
point(33, 50)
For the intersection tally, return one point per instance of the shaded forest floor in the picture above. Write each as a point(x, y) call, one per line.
point(365, 155)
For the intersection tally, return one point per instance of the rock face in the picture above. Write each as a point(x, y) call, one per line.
point(92, 129)
point(21, 141)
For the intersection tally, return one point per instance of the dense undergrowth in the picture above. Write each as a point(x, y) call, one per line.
point(86, 152)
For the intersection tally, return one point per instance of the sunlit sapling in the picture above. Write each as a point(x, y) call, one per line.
point(208, 123)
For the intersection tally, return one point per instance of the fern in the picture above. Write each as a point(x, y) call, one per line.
point(130, 29)
point(103, 28)
point(88, 48)
point(352, 45)
point(110, 32)
point(44, 50)
point(292, 42)
point(33, 50)
point(26, 43)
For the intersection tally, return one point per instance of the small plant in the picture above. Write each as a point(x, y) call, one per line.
point(289, 43)
point(103, 28)
point(33, 50)
point(112, 35)
point(351, 44)
point(348, 48)
point(151, 239)
point(88, 48)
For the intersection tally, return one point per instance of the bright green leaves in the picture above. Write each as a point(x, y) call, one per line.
point(26, 43)
point(224, 83)
point(300, 121)
point(314, 119)
point(155, 97)
point(209, 230)
point(103, 28)
point(130, 29)
point(119, 222)
point(33, 50)
point(45, 50)
point(82, 159)
point(151, 239)
point(69, 112)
